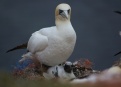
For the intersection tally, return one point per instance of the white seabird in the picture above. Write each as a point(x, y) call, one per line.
point(53, 45)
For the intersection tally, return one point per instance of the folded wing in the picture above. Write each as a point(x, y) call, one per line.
point(37, 42)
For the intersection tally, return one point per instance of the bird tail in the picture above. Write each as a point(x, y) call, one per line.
point(22, 46)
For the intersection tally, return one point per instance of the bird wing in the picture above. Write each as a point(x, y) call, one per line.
point(37, 42)
point(22, 46)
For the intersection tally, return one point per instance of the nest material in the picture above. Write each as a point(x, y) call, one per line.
point(83, 68)
point(30, 72)
point(33, 70)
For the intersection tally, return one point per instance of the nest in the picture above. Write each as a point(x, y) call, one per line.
point(82, 69)
point(32, 70)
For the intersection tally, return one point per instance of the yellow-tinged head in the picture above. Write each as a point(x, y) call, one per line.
point(63, 12)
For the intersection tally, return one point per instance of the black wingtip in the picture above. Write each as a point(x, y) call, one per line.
point(119, 12)
point(117, 53)
point(22, 46)
point(9, 50)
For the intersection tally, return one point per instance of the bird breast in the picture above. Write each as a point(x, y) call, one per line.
point(60, 47)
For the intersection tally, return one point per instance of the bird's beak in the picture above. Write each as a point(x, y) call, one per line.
point(64, 14)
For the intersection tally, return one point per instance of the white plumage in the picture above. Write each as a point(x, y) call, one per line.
point(53, 45)
point(59, 71)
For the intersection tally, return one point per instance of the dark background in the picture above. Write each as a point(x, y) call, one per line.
point(94, 21)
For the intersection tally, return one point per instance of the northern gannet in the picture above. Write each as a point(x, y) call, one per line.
point(52, 45)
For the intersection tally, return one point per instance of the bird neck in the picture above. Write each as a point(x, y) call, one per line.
point(64, 26)
point(62, 22)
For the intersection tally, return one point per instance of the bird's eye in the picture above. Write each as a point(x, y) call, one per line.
point(60, 11)
point(68, 11)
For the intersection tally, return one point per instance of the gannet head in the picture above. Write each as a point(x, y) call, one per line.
point(63, 12)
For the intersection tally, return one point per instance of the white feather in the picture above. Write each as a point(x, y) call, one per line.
point(37, 42)
point(53, 45)
point(60, 72)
